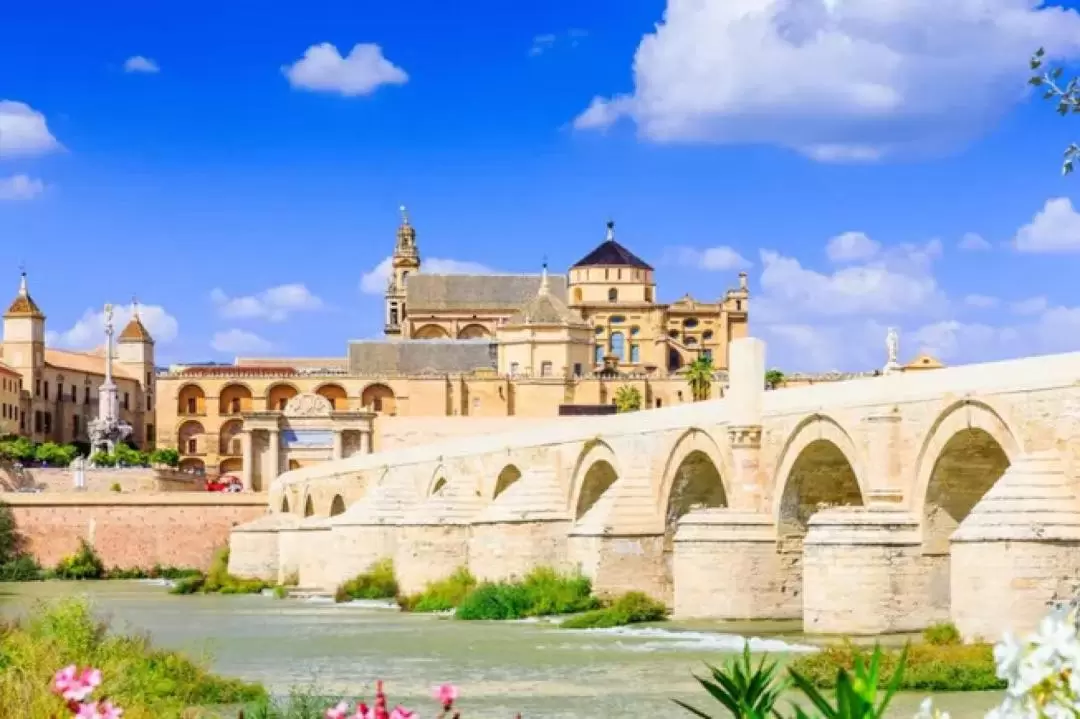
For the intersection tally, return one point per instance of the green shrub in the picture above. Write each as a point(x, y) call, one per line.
point(218, 580)
point(442, 595)
point(930, 667)
point(378, 582)
point(942, 634)
point(115, 487)
point(630, 608)
point(281, 592)
point(146, 682)
point(54, 454)
point(543, 592)
point(743, 689)
point(103, 459)
point(166, 456)
point(23, 568)
point(84, 564)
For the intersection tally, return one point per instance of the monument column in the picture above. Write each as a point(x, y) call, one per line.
point(746, 388)
point(247, 470)
point(339, 445)
point(274, 437)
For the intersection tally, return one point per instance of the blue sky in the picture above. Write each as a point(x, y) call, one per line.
point(870, 163)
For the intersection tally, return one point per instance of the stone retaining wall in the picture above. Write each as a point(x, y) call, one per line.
point(135, 479)
point(132, 530)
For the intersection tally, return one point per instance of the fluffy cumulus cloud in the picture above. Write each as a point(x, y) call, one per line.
point(851, 246)
point(138, 63)
point(715, 259)
point(275, 304)
point(24, 131)
point(837, 80)
point(89, 331)
point(361, 72)
point(1055, 228)
point(548, 41)
point(237, 341)
point(981, 301)
point(375, 281)
point(20, 187)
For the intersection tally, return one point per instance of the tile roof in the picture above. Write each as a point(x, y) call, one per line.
point(419, 356)
point(546, 309)
point(85, 362)
point(8, 370)
point(23, 305)
point(610, 253)
point(135, 332)
point(476, 292)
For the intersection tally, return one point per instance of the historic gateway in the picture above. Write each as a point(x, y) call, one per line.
point(872, 505)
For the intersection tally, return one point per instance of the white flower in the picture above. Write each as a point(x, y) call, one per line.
point(1007, 655)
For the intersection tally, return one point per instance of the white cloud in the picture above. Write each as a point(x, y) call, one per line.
point(851, 246)
point(364, 70)
point(973, 242)
point(981, 301)
point(838, 80)
point(716, 259)
point(236, 341)
point(375, 281)
point(138, 63)
point(89, 331)
point(20, 187)
point(1055, 228)
point(274, 304)
point(543, 43)
point(1030, 306)
point(24, 131)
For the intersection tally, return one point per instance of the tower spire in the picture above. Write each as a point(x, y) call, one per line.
point(404, 215)
point(610, 231)
point(544, 287)
point(135, 307)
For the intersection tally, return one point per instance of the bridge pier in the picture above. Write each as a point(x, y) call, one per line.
point(255, 547)
point(864, 573)
point(621, 563)
point(727, 566)
point(1018, 551)
point(304, 552)
point(525, 528)
point(368, 531)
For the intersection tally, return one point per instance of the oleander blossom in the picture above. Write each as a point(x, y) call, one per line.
point(75, 687)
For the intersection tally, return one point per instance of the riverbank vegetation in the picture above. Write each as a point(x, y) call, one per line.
point(630, 608)
point(51, 454)
point(378, 582)
point(144, 681)
point(441, 595)
point(940, 663)
point(218, 580)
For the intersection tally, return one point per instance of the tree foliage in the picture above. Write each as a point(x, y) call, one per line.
point(628, 399)
point(700, 377)
point(1066, 95)
point(773, 378)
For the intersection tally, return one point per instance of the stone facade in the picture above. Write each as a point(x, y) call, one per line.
point(849, 504)
point(132, 530)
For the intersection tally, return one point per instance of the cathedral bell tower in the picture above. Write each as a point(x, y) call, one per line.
point(405, 261)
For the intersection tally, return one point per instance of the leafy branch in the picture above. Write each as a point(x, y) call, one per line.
point(1067, 96)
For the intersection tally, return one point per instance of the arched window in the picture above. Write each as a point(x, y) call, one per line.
point(707, 335)
point(618, 345)
point(617, 319)
point(690, 323)
point(599, 354)
point(635, 356)
point(613, 295)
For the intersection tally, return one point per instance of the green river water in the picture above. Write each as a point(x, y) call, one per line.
point(500, 667)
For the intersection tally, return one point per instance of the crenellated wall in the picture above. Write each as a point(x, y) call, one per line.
point(831, 502)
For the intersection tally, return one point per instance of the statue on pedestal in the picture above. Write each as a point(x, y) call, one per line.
point(892, 348)
point(107, 429)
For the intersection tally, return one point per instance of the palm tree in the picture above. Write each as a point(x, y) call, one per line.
point(627, 399)
point(699, 376)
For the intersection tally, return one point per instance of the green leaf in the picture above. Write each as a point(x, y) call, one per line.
point(1057, 72)
point(692, 710)
point(1040, 52)
point(1036, 81)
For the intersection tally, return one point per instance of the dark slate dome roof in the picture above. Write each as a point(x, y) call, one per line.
point(610, 253)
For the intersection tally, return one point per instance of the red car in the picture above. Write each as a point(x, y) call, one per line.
point(225, 483)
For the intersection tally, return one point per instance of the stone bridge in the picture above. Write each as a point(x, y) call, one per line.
point(872, 505)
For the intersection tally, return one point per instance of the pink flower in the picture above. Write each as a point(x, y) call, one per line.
point(91, 678)
point(363, 712)
point(75, 686)
point(446, 694)
point(340, 711)
point(402, 713)
point(64, 679)
point(108, 711)
point(88, 711)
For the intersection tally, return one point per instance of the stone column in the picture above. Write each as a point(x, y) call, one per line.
point(248, 469)
point(365, 441)
point(882, 470)
point(745, 395)
point(339, 444)
point(274, 447)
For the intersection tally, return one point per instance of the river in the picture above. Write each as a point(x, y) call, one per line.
point(500, 667)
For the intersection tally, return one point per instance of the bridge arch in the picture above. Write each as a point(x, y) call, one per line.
point(438, 481)
point(337, 505)
point(284, 504)
point(309, 506)
point(595, 473)
point(819, 466)
point(508, 476)
point(965, 452)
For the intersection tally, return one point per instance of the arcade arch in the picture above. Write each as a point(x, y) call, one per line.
point(234, 399)
point(507, 477)
point(191, 400)
point(337, 505)
point(431, 332)
point(379, 398)
point(278, 395)
point(335, 394)
point(473, 332)
point(191, 437)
